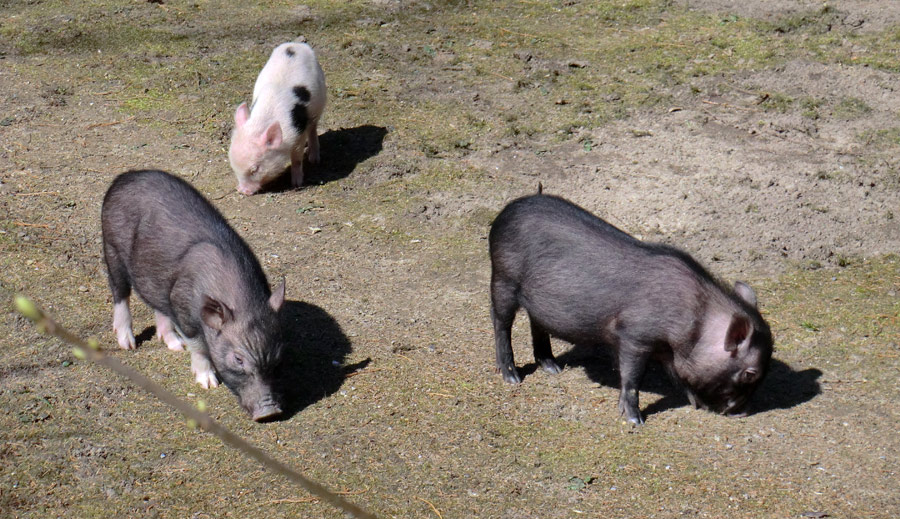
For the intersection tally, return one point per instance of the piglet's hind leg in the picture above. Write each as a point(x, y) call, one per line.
point(313, 152)
point(166, 331)
point(122, 325)
point(297, 163)
point(632, 363)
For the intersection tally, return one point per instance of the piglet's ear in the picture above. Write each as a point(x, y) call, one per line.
point(276, 300)
point(241, 115)
point(215, 314)
point(739, 331)
point(272, 138)
point(749, 375)
point(746, 293)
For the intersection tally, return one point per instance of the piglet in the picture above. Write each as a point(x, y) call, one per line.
point(288, 100)
point(165, 240)
point(586, 282)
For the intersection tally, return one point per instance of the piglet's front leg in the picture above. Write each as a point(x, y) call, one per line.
point(632, 364)
point(122, 325)
point(201, 365)
point(203, 370)
point(165, 330)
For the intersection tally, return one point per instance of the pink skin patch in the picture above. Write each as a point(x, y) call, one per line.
point(166, 331)
point(122, 325)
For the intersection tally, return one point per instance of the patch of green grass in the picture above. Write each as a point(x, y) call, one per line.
point(574, 73)
point(96, 28)
point(808, 325)
point(818, 21)
point(878, 50)
point(849, 108)
point(482, 217)
point(881, 138)
point(594, 64)
point(853, 309)
point(777, 102)
point(810, 107)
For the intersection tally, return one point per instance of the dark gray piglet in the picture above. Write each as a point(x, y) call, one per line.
point(586, 282)
point(165, 240)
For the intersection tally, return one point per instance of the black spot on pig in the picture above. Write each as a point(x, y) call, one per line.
point(289, 51)
point(299, 114)
point(302, 93)
point(299, 117)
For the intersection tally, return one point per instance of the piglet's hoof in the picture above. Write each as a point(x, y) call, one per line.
point(510, 374)
point(550, 366)
point(207, 379)
point(126, 340)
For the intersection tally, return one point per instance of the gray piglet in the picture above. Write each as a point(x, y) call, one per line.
point(586, 282)
point(165, 240)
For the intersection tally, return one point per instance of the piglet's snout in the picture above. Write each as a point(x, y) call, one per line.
point(265, 410)
point(736, 409)
point(266, 413)
point(248, 188)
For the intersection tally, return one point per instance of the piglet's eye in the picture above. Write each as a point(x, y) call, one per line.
point(238, 360)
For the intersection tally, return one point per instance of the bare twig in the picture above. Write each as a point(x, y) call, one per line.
point(525, 34)
point(25, 224)
point(38, 193)
point(728, 105)
point(111, 123)
point(433, 509)
point(435, 393)
point(298, 500)
point(223, 195)
point(491, 72)
point(91, 351)
point(360, 372)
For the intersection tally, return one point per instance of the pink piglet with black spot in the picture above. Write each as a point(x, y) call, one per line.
point(281, 121)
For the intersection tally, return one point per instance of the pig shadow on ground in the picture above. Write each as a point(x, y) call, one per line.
point(782, 388)
point(316, 348)
point(600, 365)
point(341, 151)
point(146, 335)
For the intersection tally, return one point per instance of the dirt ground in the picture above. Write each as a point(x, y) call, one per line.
point(761, 137)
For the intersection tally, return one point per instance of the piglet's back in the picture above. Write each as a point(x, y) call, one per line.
point(291, 74)
point(153, 219)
